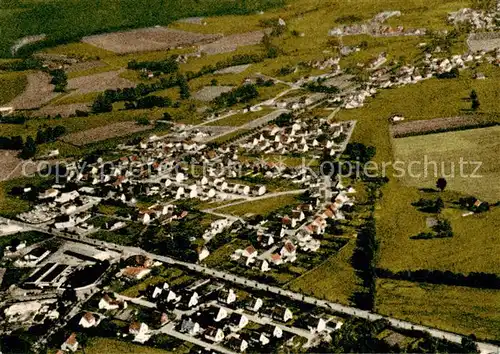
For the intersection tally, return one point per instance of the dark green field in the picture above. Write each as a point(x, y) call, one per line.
point(69, 20)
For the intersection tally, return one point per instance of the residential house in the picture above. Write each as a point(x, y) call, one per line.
point(237, 321)
point(214, 334)
point(281, 313)
point(237, 344)
point(71, 344)
point(288, 252)
point(108, 303)
point(254, 304)
point(88, 320)
point(227, 296)
point(190, 327)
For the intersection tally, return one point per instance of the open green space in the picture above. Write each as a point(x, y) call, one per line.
point(260, 207)
point(114, 346)
point(334, 280)
point(441, 155)
point(12, 84)
point(451, 308)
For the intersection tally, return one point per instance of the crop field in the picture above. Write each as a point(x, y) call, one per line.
point(447, 149)
point(421, 127)
point(208, 93)
point(147, 39)
point(103, 133)
point(12, 85)
point(451, 308)
point(38, 17)
point(38, 91)
point(98, 82)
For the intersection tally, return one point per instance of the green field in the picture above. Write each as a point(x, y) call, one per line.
point(456, 309)
point(447, 149)
point(260, 207)
point(113, 346)
point(334, 280)
point(12, 84)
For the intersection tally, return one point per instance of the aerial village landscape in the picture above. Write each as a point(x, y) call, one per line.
point(274, 176)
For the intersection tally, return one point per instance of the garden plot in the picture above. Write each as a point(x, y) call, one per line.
point(208, 93)
point(232, 42)
point(38, 91)
point(99, 82)
point(147, 39)
point(103, 133)
point(237, 69)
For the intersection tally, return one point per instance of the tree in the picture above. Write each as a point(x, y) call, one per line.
point(441, 184)
point(213, 82)
point(29, 149)
point(439, 205)
point(475, 104)
point(102, 104)
point(167, 116)
point(473, 95)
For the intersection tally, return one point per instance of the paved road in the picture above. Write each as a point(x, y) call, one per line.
point(348, 310)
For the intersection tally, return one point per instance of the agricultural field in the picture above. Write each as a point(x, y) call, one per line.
point(12, 84)
point(473, 248)
point(38, 91)
point(111, 16)
point(114, 346)
point(451, 308)
point(448, 149)
point(103, 133)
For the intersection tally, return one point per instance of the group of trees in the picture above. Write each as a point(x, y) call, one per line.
point(59, 79)
point(442, 229)
point(29, 146)
point(49, 134)
point(360, 152)
point(319, 87)
point(240, 94)
point(166, 66)
point(429, 205)
point(149, 102)
point(363, 260)
point(473, 280)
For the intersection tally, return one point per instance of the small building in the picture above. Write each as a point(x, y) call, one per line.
point(71, 344)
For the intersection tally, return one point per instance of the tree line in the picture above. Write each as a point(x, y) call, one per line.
point(473, 280)
point(28, 147)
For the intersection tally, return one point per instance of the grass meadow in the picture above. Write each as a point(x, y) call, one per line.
point(447, 149)
point(451, 308)
point(12, 84)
